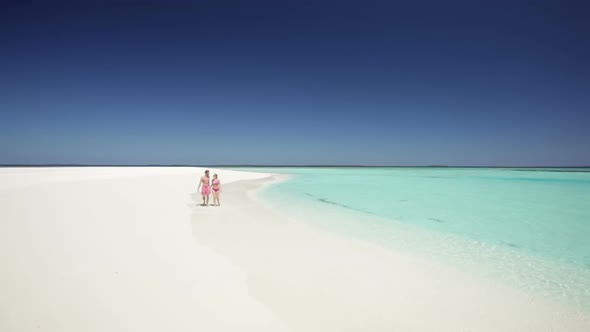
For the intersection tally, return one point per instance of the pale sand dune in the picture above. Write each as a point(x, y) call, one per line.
point(111, 249)
point(128, 249)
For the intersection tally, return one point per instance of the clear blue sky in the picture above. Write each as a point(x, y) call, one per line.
point(309, 82)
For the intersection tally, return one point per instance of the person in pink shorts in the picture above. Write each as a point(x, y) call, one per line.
point(205, 188)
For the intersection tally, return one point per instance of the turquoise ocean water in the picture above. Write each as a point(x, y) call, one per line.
point(527, 227)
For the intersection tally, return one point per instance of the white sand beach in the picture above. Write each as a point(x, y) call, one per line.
point(130, 249)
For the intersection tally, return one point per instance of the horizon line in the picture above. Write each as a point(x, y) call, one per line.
point(282, 165)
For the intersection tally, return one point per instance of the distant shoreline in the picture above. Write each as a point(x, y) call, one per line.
point(285, 166)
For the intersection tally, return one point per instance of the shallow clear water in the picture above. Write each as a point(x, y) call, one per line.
point(528, 226)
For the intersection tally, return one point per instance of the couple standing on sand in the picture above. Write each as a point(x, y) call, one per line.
point(205, 187)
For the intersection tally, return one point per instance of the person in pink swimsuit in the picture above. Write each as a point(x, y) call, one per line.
point(216, 190)
point(205, 188)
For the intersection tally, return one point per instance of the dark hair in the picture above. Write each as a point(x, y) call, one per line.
point(206, 171)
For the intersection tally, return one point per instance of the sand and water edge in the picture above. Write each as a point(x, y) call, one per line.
point(130, 249)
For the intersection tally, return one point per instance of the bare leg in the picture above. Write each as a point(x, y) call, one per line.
point(207, 203)
point(217, 197)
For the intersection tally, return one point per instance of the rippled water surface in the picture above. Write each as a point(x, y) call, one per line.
point(528, 225)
